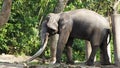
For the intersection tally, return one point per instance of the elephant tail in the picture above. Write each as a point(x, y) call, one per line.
point(108, 36)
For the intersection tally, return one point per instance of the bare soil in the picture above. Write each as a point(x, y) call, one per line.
point(11, 61)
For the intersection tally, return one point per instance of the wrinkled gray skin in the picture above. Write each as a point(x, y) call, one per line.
point(83, 24)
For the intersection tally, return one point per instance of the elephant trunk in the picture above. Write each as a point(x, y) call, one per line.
point(42, 48)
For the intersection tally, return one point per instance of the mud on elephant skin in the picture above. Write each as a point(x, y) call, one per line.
point(81, 23)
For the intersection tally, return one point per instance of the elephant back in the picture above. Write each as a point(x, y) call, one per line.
point(88, 16)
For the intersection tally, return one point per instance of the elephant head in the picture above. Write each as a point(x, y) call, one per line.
point(49, 27)
point(52, 21)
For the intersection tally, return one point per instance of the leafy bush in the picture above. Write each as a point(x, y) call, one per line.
point(21, 34)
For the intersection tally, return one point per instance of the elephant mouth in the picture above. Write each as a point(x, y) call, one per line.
point(52, 31)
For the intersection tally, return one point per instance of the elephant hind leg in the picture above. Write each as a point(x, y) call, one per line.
point(69, 51)
point(90, 61)
point(103, 50)
point(95, 43)
point(103, 53)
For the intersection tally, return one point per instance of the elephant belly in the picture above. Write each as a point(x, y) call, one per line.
point(84, 29)
point(81, 33)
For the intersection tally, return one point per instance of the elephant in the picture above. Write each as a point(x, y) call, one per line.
point(82, 24)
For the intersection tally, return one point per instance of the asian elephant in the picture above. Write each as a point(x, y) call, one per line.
point(81, 23)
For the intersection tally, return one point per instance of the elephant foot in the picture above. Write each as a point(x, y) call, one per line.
point(58, 61)
point(105, 63)
point(89, 63)
point(70, 62)
point(53, 61)
point(44, 61)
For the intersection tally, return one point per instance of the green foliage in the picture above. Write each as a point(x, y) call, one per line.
point(79, 50)
point(119, 8)
point(101, 6)
point(21, 34)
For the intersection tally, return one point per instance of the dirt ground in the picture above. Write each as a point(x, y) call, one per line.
point(11, 61)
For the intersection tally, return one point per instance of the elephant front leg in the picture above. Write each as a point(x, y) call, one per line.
point(90, 61)
point(69, 51)
point(59, 53)
point(60, 48)
point(53, 47)
point(63, 38)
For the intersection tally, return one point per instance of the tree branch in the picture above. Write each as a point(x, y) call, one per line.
point(60, 6)
point(115, 7)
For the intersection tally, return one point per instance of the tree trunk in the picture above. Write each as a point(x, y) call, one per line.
point(60, 6)
point(116, 32)
point(116, 37)
point(5, 12)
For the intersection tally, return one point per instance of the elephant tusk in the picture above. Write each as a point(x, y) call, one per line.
point(39, 52)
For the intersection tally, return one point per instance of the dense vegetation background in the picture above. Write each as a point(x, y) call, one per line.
point(20, 36)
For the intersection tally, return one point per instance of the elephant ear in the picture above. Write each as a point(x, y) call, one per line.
point(53, 21)
point(65, 23)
